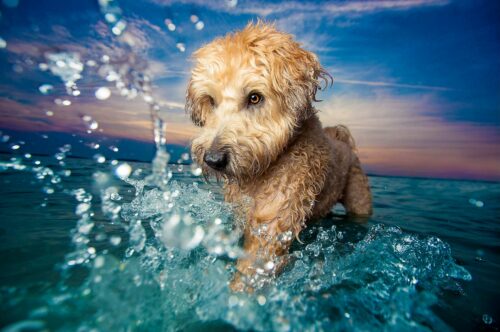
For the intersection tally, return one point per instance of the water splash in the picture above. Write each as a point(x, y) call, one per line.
point(68, 67)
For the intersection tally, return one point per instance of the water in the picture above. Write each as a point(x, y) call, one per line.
point(102, 244)
point(110, 252)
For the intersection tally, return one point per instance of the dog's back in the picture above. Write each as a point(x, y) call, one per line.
point(340, 133)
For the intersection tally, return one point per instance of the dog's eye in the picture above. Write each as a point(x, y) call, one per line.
point(254, 98)
point(211, 101)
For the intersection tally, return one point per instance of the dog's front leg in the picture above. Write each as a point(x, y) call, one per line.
point(264, 247)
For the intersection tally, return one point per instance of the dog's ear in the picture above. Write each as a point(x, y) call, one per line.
point(299, 76)
point(195, 106)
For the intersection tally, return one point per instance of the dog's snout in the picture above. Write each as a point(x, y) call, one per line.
point(216, 159)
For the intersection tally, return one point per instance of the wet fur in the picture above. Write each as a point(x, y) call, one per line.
point(284, 168)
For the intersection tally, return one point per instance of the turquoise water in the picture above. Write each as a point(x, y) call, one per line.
point(85, 250)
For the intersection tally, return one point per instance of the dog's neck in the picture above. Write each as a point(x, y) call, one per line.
point(305, 126)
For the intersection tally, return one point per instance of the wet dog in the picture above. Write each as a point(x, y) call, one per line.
point(251, 92)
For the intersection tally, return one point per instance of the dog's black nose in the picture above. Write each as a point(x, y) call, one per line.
point(216, 159)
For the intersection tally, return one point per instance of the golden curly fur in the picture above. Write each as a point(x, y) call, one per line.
point(252, 93)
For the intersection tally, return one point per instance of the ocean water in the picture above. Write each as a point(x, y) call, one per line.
point(84, 247)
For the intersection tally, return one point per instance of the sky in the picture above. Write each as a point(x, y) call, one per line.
point(416, 81)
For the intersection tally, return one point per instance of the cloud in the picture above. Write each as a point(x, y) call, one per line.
point(264, 9)
point(407, 135)
point(393, 85)
point(117, 117)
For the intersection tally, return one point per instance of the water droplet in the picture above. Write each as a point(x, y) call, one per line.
point(93, 125)
point(115, 240)
point(99, 262)
point(199, 25)
point(62, 102)
point(195, 169)
point(27, 155)
point(102, 93)
point(181, 47)
point(99, 158)
point(487, 319)
point(49, 113)
point(119, 27)
point(46, 88)
point(476, 203)
point(123, 171)
point(232, 3)
point(269, 265)
point(261, 299)
point(3, 43)
point(137, 236)
point(48, 190)
point(114, 148)
point(15, 146)
point(170, 25)
point(194, 18)
point(67, 66)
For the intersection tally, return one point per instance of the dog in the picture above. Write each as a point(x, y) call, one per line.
point(252, 94)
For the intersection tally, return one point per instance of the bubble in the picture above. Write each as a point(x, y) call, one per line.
point(102, 93)
point(5, 138)
point(49, 113)
point(199, 25)
point(91, 63)
point(114, 148)
point(27, 155)
point(99, 158)
point(15, 146)
point(181, 47)
point(3, 43)
point(43, 66)
point(261, 299)
point(123, 171)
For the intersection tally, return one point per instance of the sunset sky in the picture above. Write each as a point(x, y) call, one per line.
point(416, 81)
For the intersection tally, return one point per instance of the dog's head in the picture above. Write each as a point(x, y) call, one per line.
point(249, 92)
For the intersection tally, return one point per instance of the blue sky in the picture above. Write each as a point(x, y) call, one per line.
point(417, 81)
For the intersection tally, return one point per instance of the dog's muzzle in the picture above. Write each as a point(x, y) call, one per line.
point(216, 159)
